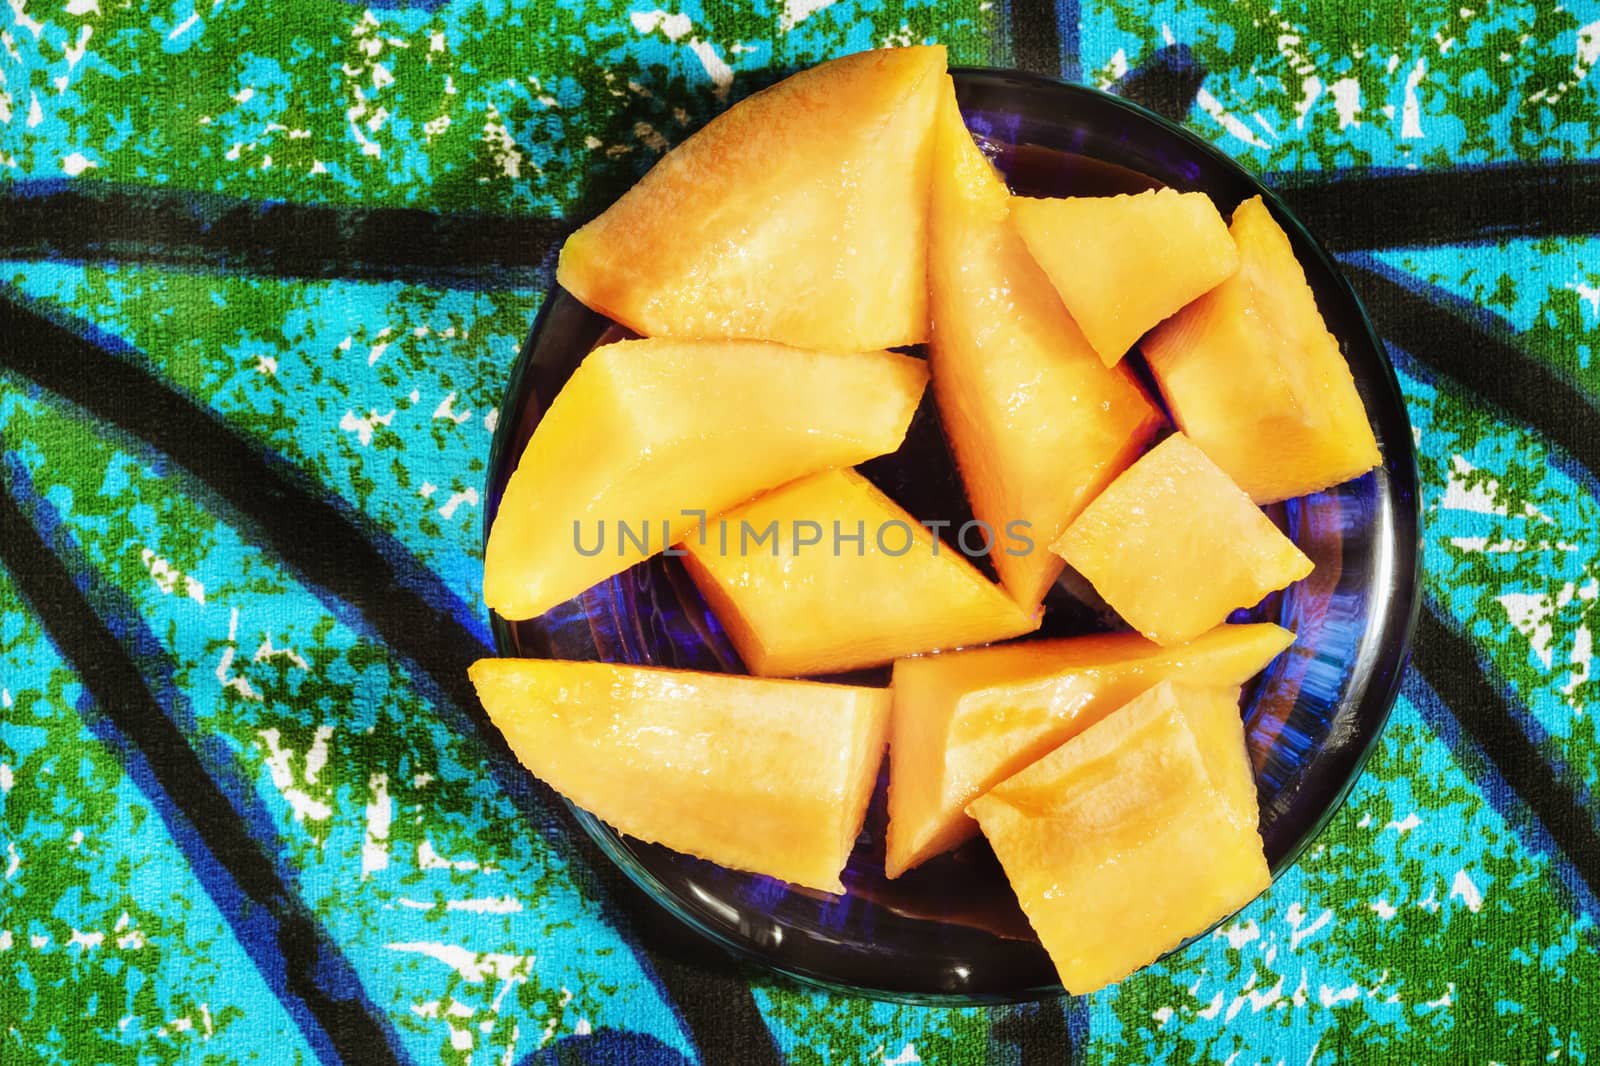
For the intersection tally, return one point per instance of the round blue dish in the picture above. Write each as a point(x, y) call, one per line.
point(951, 931)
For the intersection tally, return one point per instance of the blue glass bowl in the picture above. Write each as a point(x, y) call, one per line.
point(951, 931)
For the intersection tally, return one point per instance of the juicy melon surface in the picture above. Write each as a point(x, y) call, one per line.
point(767, 776)
point(645, 429)
point(1037, 423)
point(798, 215)
point(1174, 546)
point(1252, 375)
point(1136, 834)
point(1122, 264)
point(966, 721)
point(835, 605)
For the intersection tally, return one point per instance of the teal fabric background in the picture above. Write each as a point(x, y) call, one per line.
point(264, 266)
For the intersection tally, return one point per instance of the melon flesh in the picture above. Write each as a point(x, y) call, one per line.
point(1037, 423)
point(1124, 263)
point(1140, 832)
point(797, 608)
point(799, 215)
point(1174, 546)
point(1252, 375)
point(647, 429)
point(967, 721)
point(772, 777)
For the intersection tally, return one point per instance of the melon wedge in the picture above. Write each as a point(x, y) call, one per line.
point(799, 215)
point(1252, 375)
point(647, 429)
point(965, 722)
point(872, 585)
point(1174, 546)
point(1124, 263)
point(1036, 422)
point(772, 777)
point(1140, 832)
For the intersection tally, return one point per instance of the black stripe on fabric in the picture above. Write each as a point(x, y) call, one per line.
point(206, 231)
point(1035, 37)
point(1166, 83)
point(345, 1024)
point(1450, 664)
point(1476, 350)
point(1458, 205)
point(1565, 881)
point(726, 1027)
point(1069, 18)
point(397, 597)
point(1049, 1031)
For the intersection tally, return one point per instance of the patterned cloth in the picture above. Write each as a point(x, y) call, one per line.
point(266, 264)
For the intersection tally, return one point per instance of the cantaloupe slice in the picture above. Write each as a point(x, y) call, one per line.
point(1174, 546)
point(1252, 375)
point(799, 215)
point(1138, 833)
point(1124, 263)
point(1037, 423)
point(772, 777)
point(965, 722)
point(872, 586)
point(647, 429)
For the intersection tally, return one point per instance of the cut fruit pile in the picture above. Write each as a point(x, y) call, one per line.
point(769, 263)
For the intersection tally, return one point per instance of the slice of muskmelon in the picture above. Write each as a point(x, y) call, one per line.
point(848, 579)
point(1037, 423)
point(1174, 546)
point(799, 215)
point(1136, 834)
point(966, 721)
point(1252, 375)
point(1124, 263)
point(767, 776)
point(646, 430)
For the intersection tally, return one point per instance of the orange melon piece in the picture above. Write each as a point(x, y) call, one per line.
point(965, 722)
point(1173, 545)
point(792, 607)
point(1140, 832)
point(772, 777)
point(1252, 375)
point(1036, 422)
point(647, 429)
point(798, 215)
point(1124, 263)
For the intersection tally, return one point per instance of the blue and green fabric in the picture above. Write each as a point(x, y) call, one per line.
point(264, 267)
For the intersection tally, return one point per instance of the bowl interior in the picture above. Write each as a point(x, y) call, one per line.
point(952, 930)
